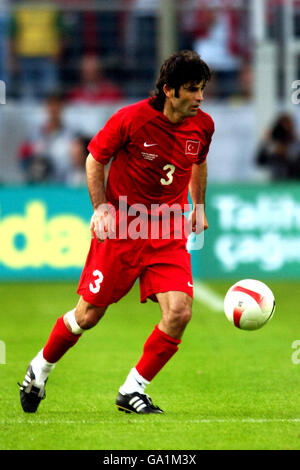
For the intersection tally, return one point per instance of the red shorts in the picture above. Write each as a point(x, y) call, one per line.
point(113, 266)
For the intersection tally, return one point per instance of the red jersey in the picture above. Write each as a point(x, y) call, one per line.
point(152, 157)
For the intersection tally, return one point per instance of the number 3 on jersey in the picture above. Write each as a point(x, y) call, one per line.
point(99, 278)
point(171, 169)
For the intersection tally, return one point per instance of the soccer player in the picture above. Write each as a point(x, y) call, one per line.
point(159, 148)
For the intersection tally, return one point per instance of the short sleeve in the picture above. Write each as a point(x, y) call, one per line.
point(110, 138)
point(209, 133)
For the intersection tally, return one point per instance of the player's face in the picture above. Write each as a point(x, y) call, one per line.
point(190, 96)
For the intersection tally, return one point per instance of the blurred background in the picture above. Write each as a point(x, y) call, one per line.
point(67, 65)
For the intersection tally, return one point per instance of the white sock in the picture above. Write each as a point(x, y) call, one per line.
point(134, 383)
point(41, 368)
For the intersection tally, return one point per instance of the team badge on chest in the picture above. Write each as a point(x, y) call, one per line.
point(192, 147)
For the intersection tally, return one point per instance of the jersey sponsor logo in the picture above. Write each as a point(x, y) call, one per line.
point(192, 147)
point(149, 145)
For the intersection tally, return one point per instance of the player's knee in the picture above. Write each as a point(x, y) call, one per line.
point(179, 315)
point(90, 317)
point(187, 316)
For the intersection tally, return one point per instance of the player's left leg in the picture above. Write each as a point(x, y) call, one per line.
point(64, 335)
point(161, 345)
point(176, 309)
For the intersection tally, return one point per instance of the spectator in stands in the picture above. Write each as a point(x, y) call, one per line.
point(36, 35)
point(279, 153)
point(245, 80)
point(220, 39)
point(45, 155)
point(39, 170)
point(77, 174)
point(94, 87)
point(140, 38)
point(91, 31)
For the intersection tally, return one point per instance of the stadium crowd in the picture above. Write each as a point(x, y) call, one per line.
point(64, 53)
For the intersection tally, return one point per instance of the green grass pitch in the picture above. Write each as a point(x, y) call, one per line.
point(224, 389)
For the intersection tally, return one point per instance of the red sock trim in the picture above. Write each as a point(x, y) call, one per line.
point(167, 337)
point(60, 340)
point(158, 350)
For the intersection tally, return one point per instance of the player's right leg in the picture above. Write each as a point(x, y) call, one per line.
point(64, 335)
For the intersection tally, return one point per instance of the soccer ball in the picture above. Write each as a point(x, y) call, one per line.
point(249, 304)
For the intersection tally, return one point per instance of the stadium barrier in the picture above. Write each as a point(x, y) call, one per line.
point(254, 231)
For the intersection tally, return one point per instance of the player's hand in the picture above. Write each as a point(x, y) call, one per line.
point(103, 222)
point(197, 220)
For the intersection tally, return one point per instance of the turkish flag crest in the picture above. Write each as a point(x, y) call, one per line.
point(192, 147)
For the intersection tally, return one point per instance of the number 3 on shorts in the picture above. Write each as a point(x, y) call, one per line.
point(95, 288)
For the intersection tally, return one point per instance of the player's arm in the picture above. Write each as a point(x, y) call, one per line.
point(197, 189)
point(95, 181)
point(102, 221)
point(102, 148)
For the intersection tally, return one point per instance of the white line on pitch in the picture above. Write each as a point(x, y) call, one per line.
point(207, 296)
point(195, 421)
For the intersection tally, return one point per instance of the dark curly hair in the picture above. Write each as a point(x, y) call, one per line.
point(182, 67)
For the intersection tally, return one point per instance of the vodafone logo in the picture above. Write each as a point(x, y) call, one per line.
point(192, 147)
